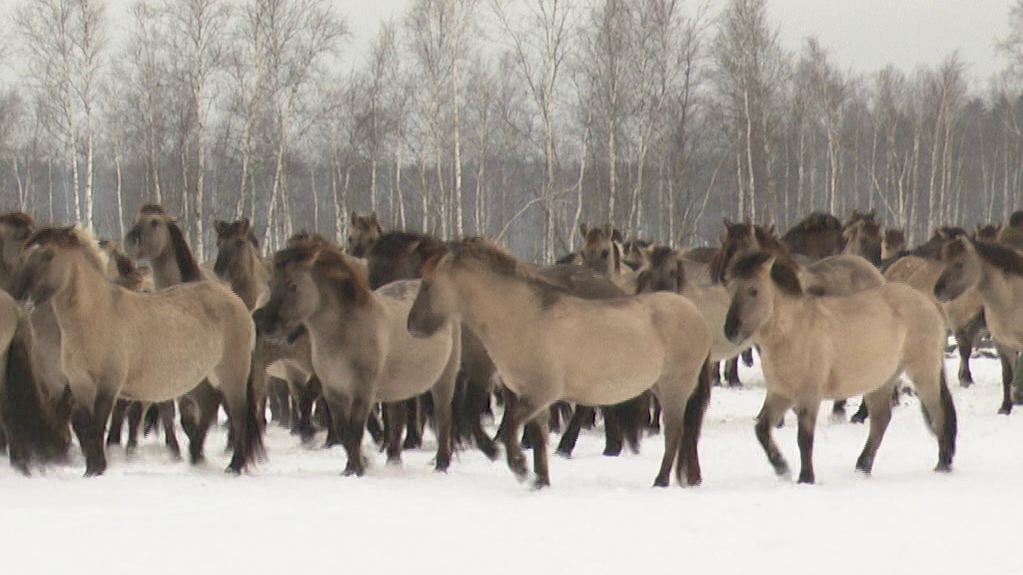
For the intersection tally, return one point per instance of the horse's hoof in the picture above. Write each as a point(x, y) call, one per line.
point(352, 472)
point(612, 451)
point(965, 383)
point(1005, 410)
point(394, 460)
point(857, 418)
point(490, 452)
point(94, 472)
point(943, 468)
point(661, 481)
point(806, 479)
point(564, 453)
point(541, 483)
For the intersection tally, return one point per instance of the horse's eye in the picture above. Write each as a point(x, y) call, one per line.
point(292, 288)
point(154, 223)
point(753, 292)
point(958, 265)
point(605, 253)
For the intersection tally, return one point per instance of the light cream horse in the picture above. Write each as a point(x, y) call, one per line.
point(995, 273)
point(110, 337)
point(361, 350)
point(549, 345)
point(813, 348)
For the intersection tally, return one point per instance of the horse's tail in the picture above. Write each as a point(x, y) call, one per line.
point(949, 425)
point(692, 424)
point(26, 411)
point(253, 423)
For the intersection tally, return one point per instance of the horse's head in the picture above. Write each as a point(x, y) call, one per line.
point(235, 241)
point(365, 231)
point(752, 282)
point(119, 268)
point(863, 239)
point(601, 250)
point(739, 238)
point(963, 269)
point(400, 255)
point(435, 302)
point(150, 235)
point(15, 227)
point(987, 232)
point(893, 241)
point(50, 254)
point(662, 272)
point(636, 253)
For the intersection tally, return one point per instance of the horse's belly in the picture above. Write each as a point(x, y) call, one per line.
point(604, 378)
point(162, 377)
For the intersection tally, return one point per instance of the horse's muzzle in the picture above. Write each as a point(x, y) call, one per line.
point(732, 325)
point(942, 292)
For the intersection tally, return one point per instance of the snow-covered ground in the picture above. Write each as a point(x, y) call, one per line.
point(295, 513)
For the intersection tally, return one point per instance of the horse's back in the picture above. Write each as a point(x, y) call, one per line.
point(843, 274)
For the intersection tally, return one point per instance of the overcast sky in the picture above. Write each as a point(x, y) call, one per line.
point(862, 35)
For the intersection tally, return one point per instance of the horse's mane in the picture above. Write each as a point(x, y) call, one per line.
point(190, 271)
point(17, 219)
point(932, 248)
point(815, 222)
point(784, 273)
point(1004, 258)
point(486, 254)
point(71, 237)
point(152, 210)
point(398, 243)
point(127, 272)
point(328, 263)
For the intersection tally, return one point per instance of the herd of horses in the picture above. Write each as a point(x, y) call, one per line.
point(399, 328)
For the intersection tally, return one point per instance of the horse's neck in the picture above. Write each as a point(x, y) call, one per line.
point(335, 320)
point(87, 295)
point(166, 271)
point(1002, 294)
point(784, 321)
point(487, 301)
point(253, 286)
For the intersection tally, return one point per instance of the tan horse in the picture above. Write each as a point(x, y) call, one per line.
point(361, 350)
point(863, 238)
point(240, 264)
point(108, 335)
point(550, 345)
point(814, 348)
point(995, 272)
point(602, 252)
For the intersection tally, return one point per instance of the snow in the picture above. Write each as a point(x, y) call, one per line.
point(294, 512)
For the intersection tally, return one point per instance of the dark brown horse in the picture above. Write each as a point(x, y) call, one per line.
point(817, 236)
point(364, 232)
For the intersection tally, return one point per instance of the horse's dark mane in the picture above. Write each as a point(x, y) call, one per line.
point(152, 210)
point(815, 222)
point(931, 249)
point(659, 255)
point(66, 238)
point(1002, 257)
point(484, 253)
point(190, 271)
point(784, 273)
point(17, 219)
point(396, 244)
point(330, 264)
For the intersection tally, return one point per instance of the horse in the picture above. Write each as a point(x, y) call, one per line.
point(812, 348)
point(602, 252)
point(121, 270)
point(863, 238)
point(361, 350)
point(108, 335)
point(964, 317)
point(156, 237)
point(816, 236)
point(995, 272)
point(364, 232)
point(544, 343)
point(987, 232)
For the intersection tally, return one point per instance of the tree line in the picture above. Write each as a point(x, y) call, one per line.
point(515, 119)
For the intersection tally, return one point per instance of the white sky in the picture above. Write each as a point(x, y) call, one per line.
point(862, 35)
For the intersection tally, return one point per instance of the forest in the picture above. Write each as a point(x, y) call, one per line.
point(513, 119)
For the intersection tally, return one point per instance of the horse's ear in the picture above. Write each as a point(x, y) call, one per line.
point(872, 213)
point(728, 223)
point(767, 265)
point(246, 225)
point(583, 229)
point(372, 219)
point(771, 230)
point(354, 218)
point(616, 235)
point(609, 230)
point(220, 227)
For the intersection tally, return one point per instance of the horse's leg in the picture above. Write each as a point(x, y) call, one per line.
point(170, 436)
point(747, 357)
point(281, 397)
point(613, 436)
point(689, 472)
point(838, 409)
point(571, 435)
point(354, 428)
point(732, 372)
point(305, 397)
point(198, 412)
point(414, 431)
point(116, 421)
point(523, 409)
point(394, 425)
point(478, 405)
point(539, 430)
point(655, 416)
point(441, 396)
point(674, 419)
point(134, 412)
point(770, 415)
point(555, 418)
point(861, 414)
point(89, 425)
point(1007, 356)
point(508, 399)
point(242, 400)
point(374, 426)
point(964, 342)
point(806, 413)
point(879, 403)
